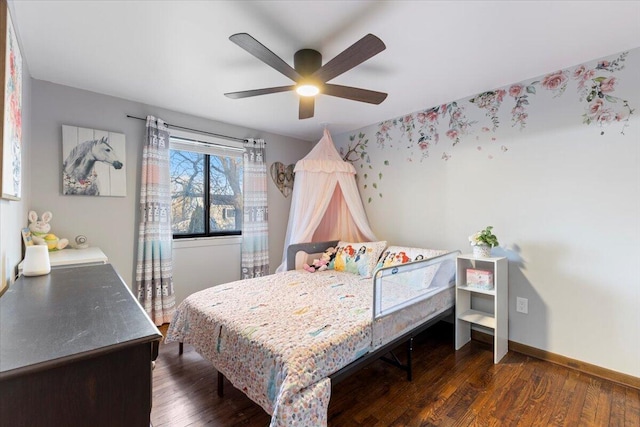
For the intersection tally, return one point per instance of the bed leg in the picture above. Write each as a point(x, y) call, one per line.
point(220, 384)
point(409, 360)
point(180, 347)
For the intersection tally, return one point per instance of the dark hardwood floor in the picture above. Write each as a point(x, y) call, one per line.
point(449, 388)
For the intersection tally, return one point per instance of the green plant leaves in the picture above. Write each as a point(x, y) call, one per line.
point(487, 237)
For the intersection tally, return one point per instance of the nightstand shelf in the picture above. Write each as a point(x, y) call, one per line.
point(479, 318)
point(477, 290)
point(466, 312)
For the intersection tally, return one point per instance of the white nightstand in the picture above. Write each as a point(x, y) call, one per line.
point(73, 258)
point(466, 315)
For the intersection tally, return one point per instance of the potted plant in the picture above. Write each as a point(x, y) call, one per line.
point(482, 242)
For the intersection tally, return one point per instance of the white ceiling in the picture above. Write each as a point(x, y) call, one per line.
point(177, 55)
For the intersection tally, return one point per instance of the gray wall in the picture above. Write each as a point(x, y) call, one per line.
point(111, 222)
point(562, 192)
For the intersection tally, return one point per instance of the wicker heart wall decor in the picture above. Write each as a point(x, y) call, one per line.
point(283, 177)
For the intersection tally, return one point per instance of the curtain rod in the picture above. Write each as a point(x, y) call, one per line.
point(195, 130)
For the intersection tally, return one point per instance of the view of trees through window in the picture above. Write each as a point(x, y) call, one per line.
point(206, 193)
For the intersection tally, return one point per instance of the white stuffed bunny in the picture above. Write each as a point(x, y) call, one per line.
point(40, 232)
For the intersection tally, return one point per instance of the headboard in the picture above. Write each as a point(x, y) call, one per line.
point(309, 248)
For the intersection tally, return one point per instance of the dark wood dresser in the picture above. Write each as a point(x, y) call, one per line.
point(75, 350)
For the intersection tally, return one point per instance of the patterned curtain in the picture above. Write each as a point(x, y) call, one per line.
point(255, 243)
point(154, 270)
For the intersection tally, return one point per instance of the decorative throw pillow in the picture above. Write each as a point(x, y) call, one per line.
point(395, 255)
point(357, 258)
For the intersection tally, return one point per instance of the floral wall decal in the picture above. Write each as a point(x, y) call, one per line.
point(555, 82)
point(556, 171)
point(593, 87)
point(356, 153)
point(491, 102)
point(597, 91)
point(459, 125)
point(382, 135)
point(521, 96)
point(426, 123)
point(436, 132)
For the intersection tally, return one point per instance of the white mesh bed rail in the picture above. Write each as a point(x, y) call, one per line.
point(398, 287)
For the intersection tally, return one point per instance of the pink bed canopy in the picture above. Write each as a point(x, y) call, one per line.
point(326, 204)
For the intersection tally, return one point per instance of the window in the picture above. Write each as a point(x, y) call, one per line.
point(206, 186)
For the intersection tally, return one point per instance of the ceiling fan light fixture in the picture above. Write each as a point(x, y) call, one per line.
point(307, 89)
point(310, 76)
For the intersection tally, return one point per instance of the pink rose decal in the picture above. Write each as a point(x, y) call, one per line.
point(584, 77)
point(515, 90)
point(432, 115)
point(578, 72)
point(605, 117)
point(608, 85)
point(596, 106)
point(554, 81)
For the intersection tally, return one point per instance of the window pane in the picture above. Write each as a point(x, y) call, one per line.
point(225, 190)
point(187, 192)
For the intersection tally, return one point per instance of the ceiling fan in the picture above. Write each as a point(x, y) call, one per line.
point(310, 75)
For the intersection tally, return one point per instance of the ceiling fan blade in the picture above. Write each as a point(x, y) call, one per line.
point(261, 52)
point(356, 54)
point(354, 93)
point(256, 92)
point(307, 105)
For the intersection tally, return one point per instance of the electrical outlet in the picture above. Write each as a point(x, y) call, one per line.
point(522, 305)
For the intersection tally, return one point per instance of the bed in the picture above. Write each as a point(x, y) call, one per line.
point(284, 338)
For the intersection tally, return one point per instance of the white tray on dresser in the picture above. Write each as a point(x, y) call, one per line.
point(74, 257)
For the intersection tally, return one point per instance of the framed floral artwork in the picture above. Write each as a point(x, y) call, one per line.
point(11, 95)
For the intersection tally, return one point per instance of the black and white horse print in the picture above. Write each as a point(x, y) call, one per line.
point(79, 175)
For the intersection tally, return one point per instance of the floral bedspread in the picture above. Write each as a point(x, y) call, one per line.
point(281, 362)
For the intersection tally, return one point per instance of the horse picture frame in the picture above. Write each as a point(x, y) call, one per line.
point(93, 162)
